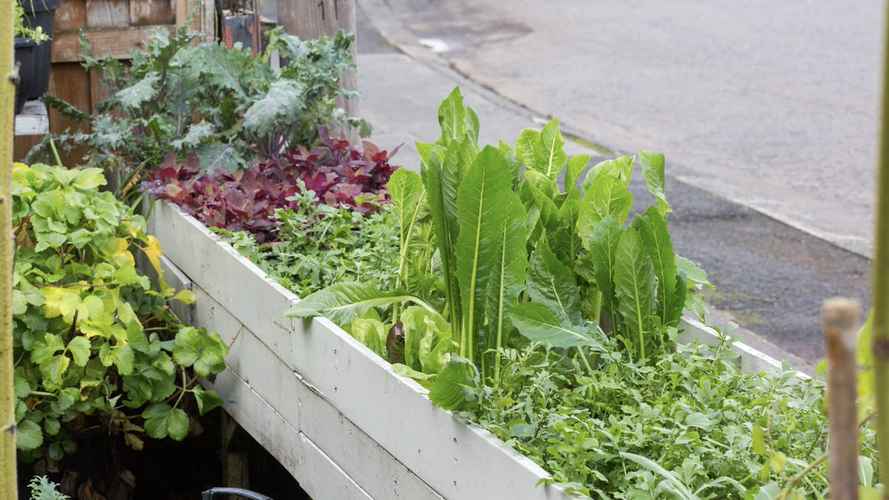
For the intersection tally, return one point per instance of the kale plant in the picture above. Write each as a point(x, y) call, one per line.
point(224, 105)
point(41, 488)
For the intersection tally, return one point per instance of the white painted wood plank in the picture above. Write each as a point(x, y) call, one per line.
point(317, 474)
point(366, 462)
point(457, 460)
point(752, 360)
point(232, 280)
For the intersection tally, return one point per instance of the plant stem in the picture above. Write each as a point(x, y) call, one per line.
point(586, 362)
point(8, 481)
point(881, 281)
point(800, 475)
point(55, 152)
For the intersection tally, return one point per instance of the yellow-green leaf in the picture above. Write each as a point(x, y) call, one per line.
point(185, 296)
point(60, 302)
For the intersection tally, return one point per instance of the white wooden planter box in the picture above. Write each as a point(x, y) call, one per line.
point(331, 411)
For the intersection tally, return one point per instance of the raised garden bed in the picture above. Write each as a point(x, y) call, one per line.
point(330, 410)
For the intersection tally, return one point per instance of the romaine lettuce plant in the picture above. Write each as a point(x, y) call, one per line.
point(95, 343)
point(519, 253)
point(552, 320)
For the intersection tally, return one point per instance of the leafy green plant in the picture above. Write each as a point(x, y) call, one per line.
point(21, 28)
point(317, 244)
point(224, 105)
point(41, 488)
point(691, 425)
point(95, 343)
point(518, 252)
point(552, 322)
point(248, 200)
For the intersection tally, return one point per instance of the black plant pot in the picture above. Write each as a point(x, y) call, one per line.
point(24, 56)
point(39, 13)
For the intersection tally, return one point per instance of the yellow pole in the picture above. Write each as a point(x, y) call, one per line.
point(8, 482)
point(881, 281)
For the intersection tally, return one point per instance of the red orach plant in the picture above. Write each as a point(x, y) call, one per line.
point(246, 200)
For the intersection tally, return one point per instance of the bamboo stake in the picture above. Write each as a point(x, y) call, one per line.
point(8, 481)
point(840, 322)
point(881, 282)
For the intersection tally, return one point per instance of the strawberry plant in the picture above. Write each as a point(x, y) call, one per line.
point(95, 343)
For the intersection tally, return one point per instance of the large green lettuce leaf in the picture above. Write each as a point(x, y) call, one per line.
point(537, 323)
point(552, 283)
point(485, 204)
point(409, 199)
point(543, 151)
point(347, 301)
point(659, 247)
point(634, 284)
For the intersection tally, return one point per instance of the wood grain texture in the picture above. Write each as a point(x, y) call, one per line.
point(148, 12)
point(69, 81)
point(107, 13)
point(69, 16)
point(22, 144)
point(840, 324)
point(310, 19)
point(98, 90)
point(116, 43)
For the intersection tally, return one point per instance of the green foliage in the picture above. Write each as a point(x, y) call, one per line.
point(634, 283)
point(488, 213)
point(21, 29)
point(539, 323)
point(94, 342)
point(691, 425)
point(41, 488)
point(509, 239)
point(225, 105)
point(319, 245)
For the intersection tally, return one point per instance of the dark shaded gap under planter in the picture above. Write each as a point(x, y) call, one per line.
point(104, 468)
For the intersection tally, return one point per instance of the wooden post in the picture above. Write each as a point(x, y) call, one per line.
point(840, 324)
point(8, 481)
point(880, 280)
point(309, 19)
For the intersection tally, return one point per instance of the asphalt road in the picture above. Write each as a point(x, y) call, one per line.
point(761, 109)
point(771, 104)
